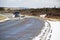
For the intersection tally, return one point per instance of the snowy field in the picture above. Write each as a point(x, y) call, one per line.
point(55, 26)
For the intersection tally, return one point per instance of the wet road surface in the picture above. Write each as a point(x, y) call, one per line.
point(24, 30)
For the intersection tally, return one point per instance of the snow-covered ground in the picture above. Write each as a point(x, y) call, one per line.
point(55, 26)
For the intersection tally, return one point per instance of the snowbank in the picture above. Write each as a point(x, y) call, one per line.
point(55, 26)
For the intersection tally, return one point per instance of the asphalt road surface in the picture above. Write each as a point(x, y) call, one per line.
point(20, 30)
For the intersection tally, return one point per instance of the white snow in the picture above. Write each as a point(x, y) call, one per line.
point(55, 26)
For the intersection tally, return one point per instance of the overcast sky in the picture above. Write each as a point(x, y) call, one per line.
point(30, 3)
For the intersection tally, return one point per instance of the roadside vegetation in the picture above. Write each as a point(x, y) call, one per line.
point(53, 18)
point(2, 17)
point(51, 13)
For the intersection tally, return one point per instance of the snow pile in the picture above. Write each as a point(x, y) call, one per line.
point(55, 26)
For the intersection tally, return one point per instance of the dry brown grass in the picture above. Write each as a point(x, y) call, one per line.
point(53, 18)
point(2, 17)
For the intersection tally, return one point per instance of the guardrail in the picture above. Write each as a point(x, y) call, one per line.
point(47, 31)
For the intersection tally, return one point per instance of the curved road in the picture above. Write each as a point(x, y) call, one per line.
point(20, 30)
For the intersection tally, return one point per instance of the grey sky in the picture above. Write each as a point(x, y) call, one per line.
point(30, 3)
